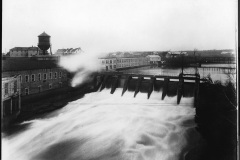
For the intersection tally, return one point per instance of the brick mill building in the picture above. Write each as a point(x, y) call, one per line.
point(36, 74)
point(114, 63)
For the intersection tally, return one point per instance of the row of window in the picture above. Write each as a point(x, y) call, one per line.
point(40, 88)
point(123, 60)
point(33, 77)
point(109, 61)
point(120, 65)
point(130, 60)
point(134, 62)
point(127, 65)
point(111, 67)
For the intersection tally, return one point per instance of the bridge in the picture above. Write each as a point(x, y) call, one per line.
point(223, 68)
point(225, 60)
point(184, 85)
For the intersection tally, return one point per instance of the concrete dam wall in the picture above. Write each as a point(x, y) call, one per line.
point(180, 86)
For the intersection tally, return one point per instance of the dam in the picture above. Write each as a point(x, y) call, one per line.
point(184, 85)
point(134, 116)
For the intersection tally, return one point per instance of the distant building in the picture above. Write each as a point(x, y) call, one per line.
point(175, 54)
point(11, 101)
point(154, 59)
point(36, 74)
point(125, 62)
point(231, 52)
point(25, 52)
point(113, 63)
point(68, 51)
point(108, 63)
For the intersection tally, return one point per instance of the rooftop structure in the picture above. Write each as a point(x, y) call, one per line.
point(44, 42)
point(68, 51)
point(20, 64)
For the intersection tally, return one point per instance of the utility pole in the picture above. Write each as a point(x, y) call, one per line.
point(182, 61)
point(196, 69)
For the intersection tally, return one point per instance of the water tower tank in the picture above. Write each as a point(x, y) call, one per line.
point(44, 42)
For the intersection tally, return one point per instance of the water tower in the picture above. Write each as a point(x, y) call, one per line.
point(44, 42)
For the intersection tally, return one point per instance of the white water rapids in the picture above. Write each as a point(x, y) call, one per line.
point(104, 126)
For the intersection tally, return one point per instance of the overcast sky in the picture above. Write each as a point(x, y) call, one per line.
point(121, 25)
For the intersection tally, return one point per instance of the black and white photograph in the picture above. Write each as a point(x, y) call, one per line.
point(119, 80)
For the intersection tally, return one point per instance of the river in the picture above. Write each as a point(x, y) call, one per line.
point(104, 126)
point(107, 126)
point(218, 72)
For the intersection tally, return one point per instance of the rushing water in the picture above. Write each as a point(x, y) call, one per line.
point(104, 126)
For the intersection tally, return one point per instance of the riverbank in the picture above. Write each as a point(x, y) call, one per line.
point(132, 67)
point(35, 106)
point(216, 117)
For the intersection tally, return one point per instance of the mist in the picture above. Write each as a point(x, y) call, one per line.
point(81, 65)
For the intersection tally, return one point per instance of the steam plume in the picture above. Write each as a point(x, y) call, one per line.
point(81, 65)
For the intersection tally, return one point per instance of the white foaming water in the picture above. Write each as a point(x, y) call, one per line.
point(104, 126)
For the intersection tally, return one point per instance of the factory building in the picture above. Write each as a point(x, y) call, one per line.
point(35, 75)
point(42, 49)
point(25, 52)
point(30, 74)
point(108, 63)
point(125, 62)
point(11, 100)
point(154, 59)
point(113, 63)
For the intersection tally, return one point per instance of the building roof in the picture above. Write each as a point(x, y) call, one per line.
point(19, 49)
point(9, 78)
point(26, 63)
point(34, 48)
point(76, 49)
point(24, 48)
point(44, 35)
point(67, 51)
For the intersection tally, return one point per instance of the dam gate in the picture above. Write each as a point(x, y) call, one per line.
point(184, 85)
